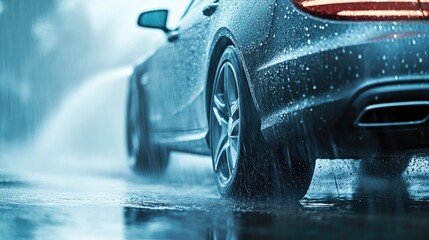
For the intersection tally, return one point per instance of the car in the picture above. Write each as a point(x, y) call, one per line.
point(266, 87)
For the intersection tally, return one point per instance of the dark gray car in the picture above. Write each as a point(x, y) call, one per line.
point(268, 86)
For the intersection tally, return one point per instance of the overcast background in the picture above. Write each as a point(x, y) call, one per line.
point(49, 49)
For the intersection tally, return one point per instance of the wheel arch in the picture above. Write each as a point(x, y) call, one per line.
point(222, 40)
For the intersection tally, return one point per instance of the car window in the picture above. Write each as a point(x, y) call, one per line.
point(191, 5)
point(176, 12)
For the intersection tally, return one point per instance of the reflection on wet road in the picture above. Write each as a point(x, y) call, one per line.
point(112, 203)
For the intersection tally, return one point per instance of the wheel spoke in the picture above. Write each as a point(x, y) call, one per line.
point(221, 149)
point(233, 128)
point(219, 101)
point(227, 77)
point(230, 86)
point(233, 149)
point(233, 140)
point(219, 108)
point(234, 107)
point(229, 160)
point(220, 117)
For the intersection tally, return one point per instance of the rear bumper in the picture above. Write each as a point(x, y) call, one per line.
point(385, 132)
point(330, 129)
point(317, 99)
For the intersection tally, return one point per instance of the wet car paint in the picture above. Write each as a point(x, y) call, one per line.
point(303, 73)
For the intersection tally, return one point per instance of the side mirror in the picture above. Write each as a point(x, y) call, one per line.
point(154, 19)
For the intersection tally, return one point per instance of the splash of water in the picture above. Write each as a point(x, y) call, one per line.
point(89, 123)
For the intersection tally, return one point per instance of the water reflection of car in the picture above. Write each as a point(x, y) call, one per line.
point(267, 87)
point(270, 221)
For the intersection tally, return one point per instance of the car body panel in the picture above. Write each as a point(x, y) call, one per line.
point(315, 67)
point(184, 81)
point(304, 74)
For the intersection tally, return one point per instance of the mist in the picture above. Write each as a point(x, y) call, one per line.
point(50, 49)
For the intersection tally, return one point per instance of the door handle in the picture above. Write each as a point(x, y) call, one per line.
point(211, 8)
point(173, 36)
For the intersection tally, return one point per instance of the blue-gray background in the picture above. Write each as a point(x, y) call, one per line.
point(50, 48)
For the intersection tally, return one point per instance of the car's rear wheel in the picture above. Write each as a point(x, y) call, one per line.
point(244, 164)
point(144, 156)
point(390, 167)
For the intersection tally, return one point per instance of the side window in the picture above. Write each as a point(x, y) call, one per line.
point(176, 12)
point(191, 5)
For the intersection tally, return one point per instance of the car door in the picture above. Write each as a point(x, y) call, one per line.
point(193, 39)
point(176, 88)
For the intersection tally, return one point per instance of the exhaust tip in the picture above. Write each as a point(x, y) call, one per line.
point(393, 114)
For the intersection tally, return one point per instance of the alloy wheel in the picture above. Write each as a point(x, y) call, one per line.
point(225, 123)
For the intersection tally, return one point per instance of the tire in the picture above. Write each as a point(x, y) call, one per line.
point(144, 156)
point(243, 163)
point(384, 167)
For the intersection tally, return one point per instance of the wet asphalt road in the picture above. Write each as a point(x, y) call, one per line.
point(68, 200)
point(72, 182)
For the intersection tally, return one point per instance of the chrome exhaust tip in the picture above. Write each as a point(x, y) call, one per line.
point(394, 114)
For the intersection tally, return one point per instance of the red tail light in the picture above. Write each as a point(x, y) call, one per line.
point(366, 9)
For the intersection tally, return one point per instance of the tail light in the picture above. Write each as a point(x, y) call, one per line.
point(366, 9)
